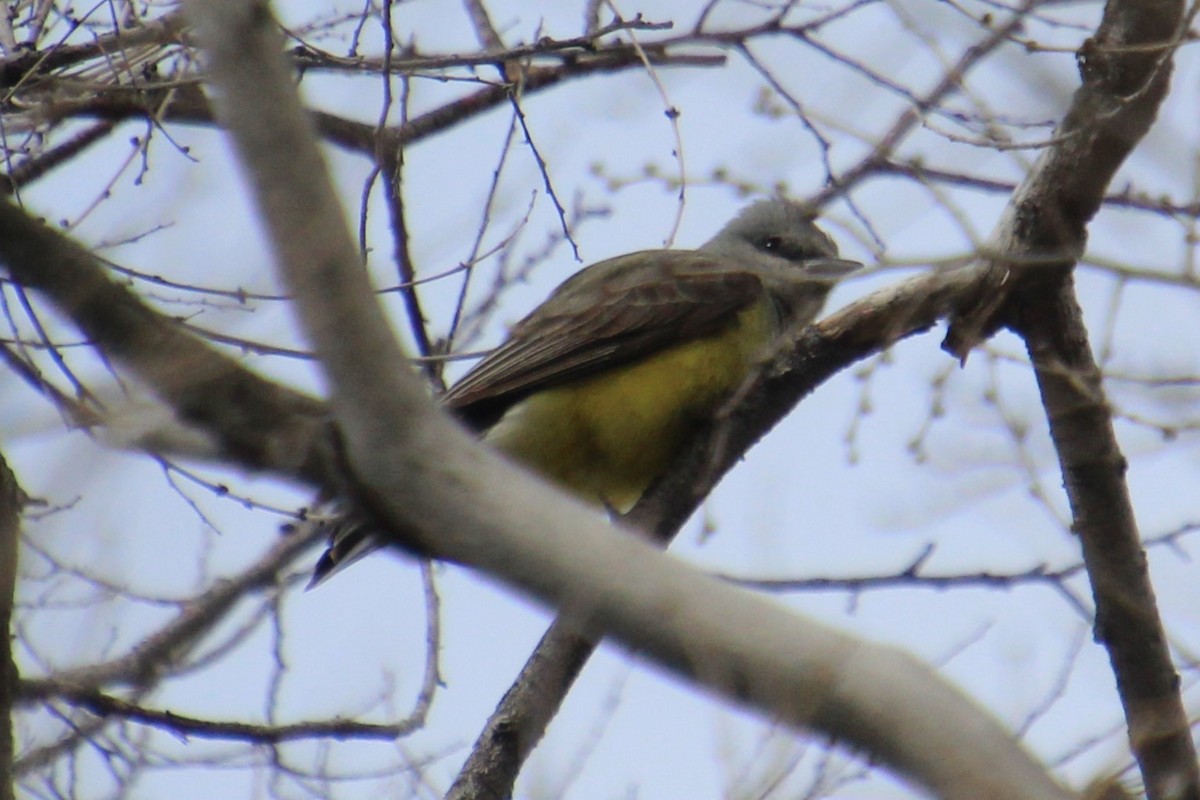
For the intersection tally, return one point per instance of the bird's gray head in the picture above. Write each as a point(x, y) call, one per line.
point(779, 235)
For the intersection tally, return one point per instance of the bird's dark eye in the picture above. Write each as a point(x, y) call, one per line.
point(773, 243)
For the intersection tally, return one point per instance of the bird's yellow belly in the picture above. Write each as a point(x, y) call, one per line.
point(607, 437)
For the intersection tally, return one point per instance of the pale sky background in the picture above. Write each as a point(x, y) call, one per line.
point(833, 491)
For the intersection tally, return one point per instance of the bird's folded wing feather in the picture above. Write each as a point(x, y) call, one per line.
point(629, 308)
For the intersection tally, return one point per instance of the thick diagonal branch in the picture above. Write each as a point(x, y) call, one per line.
point(251, 419)
point(12, 501)
point(424, 480)
point(801, 364)
point(1126, 69)
point(1127, 620)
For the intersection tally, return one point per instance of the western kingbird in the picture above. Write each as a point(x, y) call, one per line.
point(599, 387)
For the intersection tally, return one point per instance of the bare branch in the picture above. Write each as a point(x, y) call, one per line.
point(862, 328)
point(1126, 70)
point(167, 648)
point(261, 421)
point(471, 508)
point(12, 499)
point(107, 706)
point(1127, 618)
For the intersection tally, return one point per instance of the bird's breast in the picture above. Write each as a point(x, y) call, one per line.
point(608, 436)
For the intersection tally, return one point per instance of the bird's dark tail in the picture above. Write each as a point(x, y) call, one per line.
point(349, 540)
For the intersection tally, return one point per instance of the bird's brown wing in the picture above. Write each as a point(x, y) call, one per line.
point(609, 314)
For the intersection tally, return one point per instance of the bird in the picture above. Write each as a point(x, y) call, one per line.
point(599, 387)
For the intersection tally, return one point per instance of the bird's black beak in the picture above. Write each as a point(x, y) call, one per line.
point(830, 269)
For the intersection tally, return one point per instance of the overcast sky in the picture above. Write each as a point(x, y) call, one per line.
point(858, 481)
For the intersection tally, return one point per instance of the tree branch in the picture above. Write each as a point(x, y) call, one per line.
point(256, 421)
point(1126, 71)
point(167, 648)
point(181, 725)
point(526, 709)
point(1127, 620)
point(438, 491)
point(12, 500)
point(187, 104)
point(799, 366)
